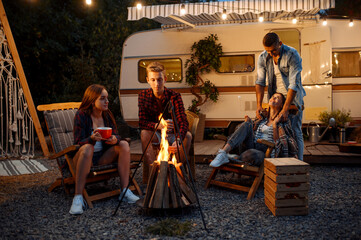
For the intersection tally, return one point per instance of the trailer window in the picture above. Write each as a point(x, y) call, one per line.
point(346, 64)
point(290, 37)
point(173, 69)
point(237, 64)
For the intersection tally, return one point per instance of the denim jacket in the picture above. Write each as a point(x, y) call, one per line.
point(290, 66)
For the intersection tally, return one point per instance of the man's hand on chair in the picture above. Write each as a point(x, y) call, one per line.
point(247, 119)
point(259, 112)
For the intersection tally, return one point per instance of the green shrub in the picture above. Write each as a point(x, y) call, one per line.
point(341, 117)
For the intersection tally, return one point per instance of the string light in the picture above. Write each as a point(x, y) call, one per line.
point(183, 10)
point(88, 2)
point(224, 14)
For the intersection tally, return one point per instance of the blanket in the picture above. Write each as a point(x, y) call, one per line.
point(18, 167)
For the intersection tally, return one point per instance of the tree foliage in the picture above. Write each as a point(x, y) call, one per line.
point(348, 8)
point(65, 46)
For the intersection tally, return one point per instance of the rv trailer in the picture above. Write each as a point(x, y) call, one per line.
point(331, 58)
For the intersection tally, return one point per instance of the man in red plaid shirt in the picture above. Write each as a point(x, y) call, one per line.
point(151, 103)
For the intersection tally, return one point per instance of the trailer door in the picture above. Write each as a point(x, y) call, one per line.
point(316, 73)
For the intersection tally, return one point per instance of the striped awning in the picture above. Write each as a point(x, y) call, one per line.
point(210, 13)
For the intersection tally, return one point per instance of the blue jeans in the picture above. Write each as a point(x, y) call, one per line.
point(296, 121)
point(254, 152)
point(244, 135)
point(170, 137)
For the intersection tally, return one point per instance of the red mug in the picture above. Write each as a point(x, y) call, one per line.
point(106, 132)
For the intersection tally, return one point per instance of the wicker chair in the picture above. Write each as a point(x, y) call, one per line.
point(193, 121)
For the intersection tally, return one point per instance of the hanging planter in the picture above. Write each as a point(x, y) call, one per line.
point(205, 58)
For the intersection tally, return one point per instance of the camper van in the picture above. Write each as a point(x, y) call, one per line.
point(331, 58)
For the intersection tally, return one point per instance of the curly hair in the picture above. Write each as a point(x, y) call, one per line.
point(270, 39)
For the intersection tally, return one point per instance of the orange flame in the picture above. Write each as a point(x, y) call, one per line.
point(174, 160)
point(163, 153)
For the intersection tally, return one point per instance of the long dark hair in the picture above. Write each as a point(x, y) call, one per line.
point(90, 96)
point(283, 103)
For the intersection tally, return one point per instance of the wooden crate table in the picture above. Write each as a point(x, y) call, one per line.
point(286, 186)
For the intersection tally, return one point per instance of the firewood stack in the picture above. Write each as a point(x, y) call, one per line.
point(168, 186)
point(286, 186)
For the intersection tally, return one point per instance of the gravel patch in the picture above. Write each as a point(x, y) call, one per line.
point(28, 211)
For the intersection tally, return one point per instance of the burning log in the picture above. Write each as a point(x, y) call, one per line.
point(167, 187)
point(184, 174)
point(168, 183)
point(187, 191)
point(151, 182)
point(161, 184)
point(175, 189)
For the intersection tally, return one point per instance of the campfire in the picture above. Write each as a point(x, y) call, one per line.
point(168, 183)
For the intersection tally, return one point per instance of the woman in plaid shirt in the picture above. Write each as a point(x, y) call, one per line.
point(94, 150)
point(269, 128)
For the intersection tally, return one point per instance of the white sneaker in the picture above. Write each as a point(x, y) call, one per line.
point(129, 196)
point(78, 204)
point(220, 159)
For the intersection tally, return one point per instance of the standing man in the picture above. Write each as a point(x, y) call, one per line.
point(151, 103)
point(282, 66)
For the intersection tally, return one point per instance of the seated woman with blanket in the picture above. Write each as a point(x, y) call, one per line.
point(269, 128)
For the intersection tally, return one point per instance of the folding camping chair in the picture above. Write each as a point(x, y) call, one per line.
point(59, 118)
point(241, 169)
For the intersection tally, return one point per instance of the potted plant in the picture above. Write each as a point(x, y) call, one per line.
point(342, 119)
point(204, 59)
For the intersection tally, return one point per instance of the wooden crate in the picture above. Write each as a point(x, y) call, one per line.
point(286, 211)
point(286, 186)
point(286, 165)
point(289, 201)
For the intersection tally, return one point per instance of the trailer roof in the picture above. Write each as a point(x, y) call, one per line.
point(209, 13)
